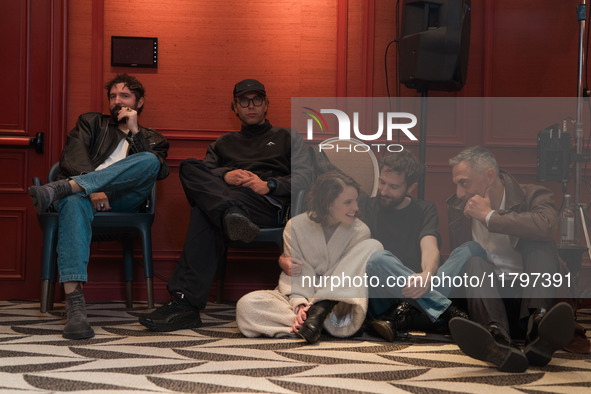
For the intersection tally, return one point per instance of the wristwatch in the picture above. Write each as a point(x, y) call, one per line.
point(272, 185)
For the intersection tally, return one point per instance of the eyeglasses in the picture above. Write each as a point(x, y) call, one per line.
point(244, 102)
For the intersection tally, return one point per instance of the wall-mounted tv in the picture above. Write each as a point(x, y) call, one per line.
point(134, 51)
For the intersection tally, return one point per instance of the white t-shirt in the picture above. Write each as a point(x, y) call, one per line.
point(119, 153)
point(498, 247)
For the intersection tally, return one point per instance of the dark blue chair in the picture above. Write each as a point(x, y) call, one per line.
point(106, 226)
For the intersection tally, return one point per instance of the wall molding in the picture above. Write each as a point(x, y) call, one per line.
point(368, 48)
point(342, 44)
point(489, 44)
point(55, 137)
point(193, 134)
point(97, 56)
point(108, 254)
point(14, 269)
point(14, 181)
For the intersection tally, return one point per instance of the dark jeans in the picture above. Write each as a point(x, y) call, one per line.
point(205, 242)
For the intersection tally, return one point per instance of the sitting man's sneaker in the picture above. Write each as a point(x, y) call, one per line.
point(43, 196)
point(488, 344)
point(547, 332)
point(238, 226)
point(389, 324)
point(177, 314)
point(77, 326)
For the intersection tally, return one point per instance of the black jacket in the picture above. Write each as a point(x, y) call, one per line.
point(96, 136)
point(270, 152)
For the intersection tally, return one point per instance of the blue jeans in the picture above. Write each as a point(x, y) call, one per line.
point(127, 183)
point(384, 265)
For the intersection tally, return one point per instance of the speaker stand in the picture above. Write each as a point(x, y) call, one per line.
point(423, 141)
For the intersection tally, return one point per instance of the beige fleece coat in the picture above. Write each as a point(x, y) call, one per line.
point(326, 269)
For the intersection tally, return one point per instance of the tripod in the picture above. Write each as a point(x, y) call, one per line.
point(423, 141)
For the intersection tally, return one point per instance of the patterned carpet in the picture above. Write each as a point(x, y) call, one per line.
point(124, 357)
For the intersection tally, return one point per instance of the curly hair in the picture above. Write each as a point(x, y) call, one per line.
point(405, 163)
point(324, 191)
point(132, 84)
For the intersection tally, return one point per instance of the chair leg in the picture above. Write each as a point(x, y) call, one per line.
point(51, 295)
point(47, 295)
point(129, 294)
point(48, 263)
point(44, 295)
point(146, 236)
point(150, 290)
point(128, 267)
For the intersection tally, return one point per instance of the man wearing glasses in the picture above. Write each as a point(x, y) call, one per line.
point(244, 182)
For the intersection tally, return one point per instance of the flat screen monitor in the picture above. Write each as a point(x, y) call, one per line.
point(134, 51)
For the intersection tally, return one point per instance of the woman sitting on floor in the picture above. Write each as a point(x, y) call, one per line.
point(326, 246)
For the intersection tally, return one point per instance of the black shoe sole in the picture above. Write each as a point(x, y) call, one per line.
point(79, 335)
point(554, 332)
point(37, 203)
point(168, 327)
point(310, 335)
point(383, 329)
point(240, 228)
point(477, 342)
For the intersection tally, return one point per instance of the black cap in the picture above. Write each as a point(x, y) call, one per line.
point(249, 85)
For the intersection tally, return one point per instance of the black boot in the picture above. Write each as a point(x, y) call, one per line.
point(547, 332)
point(487, 343)
point(77, 326)
point(315, 316)
point(397, 319)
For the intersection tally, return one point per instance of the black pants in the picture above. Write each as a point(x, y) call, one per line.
point(205, 242)
point(507, 306)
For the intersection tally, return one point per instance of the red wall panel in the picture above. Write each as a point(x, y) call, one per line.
point(12, 110)
point(33, 55)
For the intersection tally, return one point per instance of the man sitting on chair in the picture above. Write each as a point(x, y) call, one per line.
point(244, 182)
point(109, 163)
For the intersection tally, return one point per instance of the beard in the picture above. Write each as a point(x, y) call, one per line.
point(115, 113)
point(390, 202)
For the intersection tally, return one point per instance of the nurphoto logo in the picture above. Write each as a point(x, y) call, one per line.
point(389, 121)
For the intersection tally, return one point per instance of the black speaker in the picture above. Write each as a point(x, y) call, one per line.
point(554, 154)
point(434, 44)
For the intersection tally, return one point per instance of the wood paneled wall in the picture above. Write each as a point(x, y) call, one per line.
point(305, 48)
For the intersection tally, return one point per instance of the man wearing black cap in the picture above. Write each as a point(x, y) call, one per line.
point(244, 182)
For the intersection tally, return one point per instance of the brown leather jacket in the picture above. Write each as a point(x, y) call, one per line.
point(96, 136)
point(530, 214)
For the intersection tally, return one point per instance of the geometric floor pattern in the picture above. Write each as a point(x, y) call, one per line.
point(124, 357)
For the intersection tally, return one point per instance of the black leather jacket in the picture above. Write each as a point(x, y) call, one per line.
point(96, 136)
